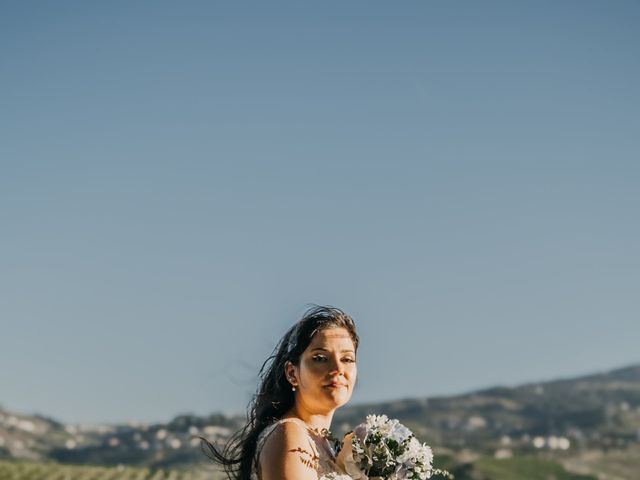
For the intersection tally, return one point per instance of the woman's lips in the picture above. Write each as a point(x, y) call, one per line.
point(335, 385)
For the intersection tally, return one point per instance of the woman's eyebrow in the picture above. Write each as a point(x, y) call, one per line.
point(325, 350)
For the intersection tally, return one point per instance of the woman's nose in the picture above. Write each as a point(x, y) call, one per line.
point(336, 366)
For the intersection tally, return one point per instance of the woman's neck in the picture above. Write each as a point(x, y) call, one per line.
point(314, 420)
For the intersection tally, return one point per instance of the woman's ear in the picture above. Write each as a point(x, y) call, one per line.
point(290, 373)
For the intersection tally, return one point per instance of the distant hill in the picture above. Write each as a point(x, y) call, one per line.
point(600, 411)
point(561, 419)
point(29, 437)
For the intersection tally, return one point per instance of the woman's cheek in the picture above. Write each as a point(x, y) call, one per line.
point(314, 368)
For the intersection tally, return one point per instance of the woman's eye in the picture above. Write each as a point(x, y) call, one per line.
point(322, 358)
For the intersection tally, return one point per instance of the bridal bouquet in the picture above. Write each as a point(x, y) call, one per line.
point(388, 450)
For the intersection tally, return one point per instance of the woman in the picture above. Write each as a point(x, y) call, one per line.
point(311, 373)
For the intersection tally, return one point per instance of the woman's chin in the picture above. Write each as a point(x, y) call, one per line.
point(339, 397)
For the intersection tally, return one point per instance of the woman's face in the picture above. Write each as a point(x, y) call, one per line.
point(327, 371)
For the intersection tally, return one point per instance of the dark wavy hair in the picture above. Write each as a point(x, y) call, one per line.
point(274, 396)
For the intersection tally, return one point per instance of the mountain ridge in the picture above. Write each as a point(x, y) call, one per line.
point(561, 418)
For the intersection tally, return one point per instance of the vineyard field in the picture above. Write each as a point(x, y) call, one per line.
point(53, 471)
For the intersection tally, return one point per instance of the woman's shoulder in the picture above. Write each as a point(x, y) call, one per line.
point(288, 451)
point(286, 432)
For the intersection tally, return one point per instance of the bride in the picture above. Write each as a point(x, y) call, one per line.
point(310, 374)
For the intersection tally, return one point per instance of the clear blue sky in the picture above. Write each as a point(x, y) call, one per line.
point(180, 179)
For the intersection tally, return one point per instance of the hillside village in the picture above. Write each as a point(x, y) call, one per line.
point(570, 421)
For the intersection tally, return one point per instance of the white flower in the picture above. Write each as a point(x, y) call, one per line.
point(376, 421)
point(398, 432)
point(416, 452)
point(388, 448)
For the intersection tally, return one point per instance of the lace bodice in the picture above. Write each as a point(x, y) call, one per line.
point(327, 468)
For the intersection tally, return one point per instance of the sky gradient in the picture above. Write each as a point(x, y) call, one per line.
point(179, 180)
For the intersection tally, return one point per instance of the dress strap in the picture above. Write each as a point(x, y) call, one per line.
point(270, 428)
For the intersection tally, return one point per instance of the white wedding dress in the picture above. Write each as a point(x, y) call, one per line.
point(327, 468)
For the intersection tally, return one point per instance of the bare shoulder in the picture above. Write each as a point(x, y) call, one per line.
point(289, 453)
